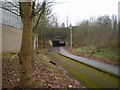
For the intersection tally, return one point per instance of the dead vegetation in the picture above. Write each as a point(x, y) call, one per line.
point(45, 74)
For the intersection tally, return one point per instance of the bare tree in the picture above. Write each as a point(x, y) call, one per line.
point(27, 11)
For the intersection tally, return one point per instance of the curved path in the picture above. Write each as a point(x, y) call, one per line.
point(114, 70)
point(87, 76)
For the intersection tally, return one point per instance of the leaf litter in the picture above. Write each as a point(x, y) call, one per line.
point(45, 74)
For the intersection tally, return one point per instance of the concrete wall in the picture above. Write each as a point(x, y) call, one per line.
point(11, 39)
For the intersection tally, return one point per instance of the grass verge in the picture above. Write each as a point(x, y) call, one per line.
point(107, 55)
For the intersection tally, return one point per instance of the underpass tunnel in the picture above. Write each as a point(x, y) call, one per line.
point(58, 43)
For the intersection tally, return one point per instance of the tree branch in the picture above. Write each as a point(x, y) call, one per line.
point(9, 10)
point(13, 5)
point(38, 21)
point(33, 6)
point(41, 8)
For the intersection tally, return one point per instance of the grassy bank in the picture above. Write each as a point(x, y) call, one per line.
point(106, 54)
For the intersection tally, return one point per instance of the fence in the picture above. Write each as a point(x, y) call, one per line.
point(8, 18)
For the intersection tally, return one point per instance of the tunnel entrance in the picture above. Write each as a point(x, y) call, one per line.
point(58, 43)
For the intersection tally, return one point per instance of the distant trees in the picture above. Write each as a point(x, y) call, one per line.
point(49, 29)
point(42, 31)
point(59, 33)
point(100, 32)
point(43, 25)
point(63, 25)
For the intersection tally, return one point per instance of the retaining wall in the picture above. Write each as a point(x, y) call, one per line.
point(11, 39)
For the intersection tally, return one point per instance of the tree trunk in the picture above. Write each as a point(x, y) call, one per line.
point(25, 55)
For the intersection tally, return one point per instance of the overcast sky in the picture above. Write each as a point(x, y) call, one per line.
point(78, 10)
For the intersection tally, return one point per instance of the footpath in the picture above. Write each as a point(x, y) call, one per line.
point(114, 70)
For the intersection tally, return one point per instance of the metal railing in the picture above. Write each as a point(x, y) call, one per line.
point(8, 18)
